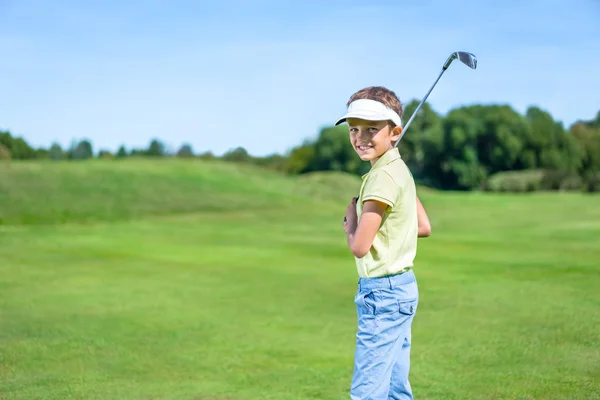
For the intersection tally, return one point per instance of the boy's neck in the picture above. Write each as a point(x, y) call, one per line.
point(374, 161)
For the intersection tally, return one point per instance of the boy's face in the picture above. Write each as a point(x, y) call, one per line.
point(371, 139)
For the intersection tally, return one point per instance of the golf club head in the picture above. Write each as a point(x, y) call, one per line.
point(466, 58)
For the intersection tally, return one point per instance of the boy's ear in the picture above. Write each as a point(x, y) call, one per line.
point(396, 132)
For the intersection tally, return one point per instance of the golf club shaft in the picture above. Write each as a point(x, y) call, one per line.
point(466, 58)
point(419, 107)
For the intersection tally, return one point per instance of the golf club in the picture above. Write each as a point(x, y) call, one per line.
point(466, 58)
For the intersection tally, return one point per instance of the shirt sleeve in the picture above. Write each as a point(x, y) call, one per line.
point(381, 186)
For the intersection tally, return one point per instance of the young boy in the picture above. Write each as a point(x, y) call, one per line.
point(382, 227)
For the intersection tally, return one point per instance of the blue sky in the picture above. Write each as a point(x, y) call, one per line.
point(268, 74)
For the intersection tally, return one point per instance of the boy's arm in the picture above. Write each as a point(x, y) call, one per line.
point(424, 225)
point(360, 235)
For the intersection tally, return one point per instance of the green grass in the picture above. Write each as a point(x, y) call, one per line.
point(50, 192)
point(191, 280)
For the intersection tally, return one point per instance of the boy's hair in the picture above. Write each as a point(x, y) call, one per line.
point(380, 94)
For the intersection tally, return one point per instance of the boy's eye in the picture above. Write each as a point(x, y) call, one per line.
point(371, 129)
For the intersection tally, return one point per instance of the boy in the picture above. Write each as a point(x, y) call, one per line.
point(382, 227)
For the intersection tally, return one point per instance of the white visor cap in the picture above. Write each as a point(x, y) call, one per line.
point(370, 110)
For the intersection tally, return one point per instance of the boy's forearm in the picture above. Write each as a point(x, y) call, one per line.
point(423, 221)
point(350, 239)
point(357, 249)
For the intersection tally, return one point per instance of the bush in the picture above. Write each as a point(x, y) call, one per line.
point(4, 153)
point(207, 156)
point(561, 180)
point(515, 181)
point(534, 180)
point(185, 151)
point(591, 182)
point(105, 154)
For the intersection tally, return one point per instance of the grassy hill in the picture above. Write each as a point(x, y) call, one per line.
point(171, 279)
point(50, 192)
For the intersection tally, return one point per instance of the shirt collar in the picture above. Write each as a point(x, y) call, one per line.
point(388, 157)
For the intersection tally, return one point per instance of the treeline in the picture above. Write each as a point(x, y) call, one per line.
point(18, 149)
point(478, 147)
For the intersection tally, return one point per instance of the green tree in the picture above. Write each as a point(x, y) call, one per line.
point(56, 152)
point(4, 153)
point(422, 143)
point(476, 141)
point(40, 153)
point(301, 158)
point(587, 137)
point(185, 151)
point(239, 154)
point(454, 164)
point(500, 132)
point(18, 147)
point(156, 149)
point(122, 152)
point(334, 152)
point(21, 150)
point(6, 139)
point(138, 153)
point(106, 154)
point(81, 150)
point(208, 155)
point(275, 162)
point(593, 123)
point(547, 144)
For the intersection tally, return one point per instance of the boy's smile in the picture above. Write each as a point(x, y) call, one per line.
point(371, 139)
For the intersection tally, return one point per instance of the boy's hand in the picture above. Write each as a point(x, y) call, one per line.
point(350, 219)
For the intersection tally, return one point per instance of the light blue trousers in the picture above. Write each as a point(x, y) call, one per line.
point(386, 307)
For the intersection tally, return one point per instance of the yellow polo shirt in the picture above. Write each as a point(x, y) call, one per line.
point(395, 245)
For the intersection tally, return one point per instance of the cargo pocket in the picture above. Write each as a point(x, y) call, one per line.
point(408, 307)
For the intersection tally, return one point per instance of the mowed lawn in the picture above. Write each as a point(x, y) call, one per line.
point(219, 283)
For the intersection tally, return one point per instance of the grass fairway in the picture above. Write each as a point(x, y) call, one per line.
point(184, 280)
